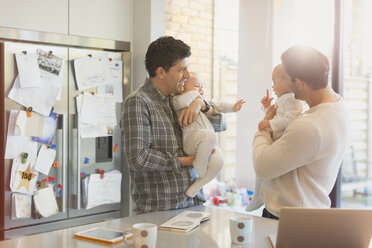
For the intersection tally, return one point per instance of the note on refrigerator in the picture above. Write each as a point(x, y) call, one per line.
point(41, 99)
point(104, 190)
point(51, 69)
point(21, 206)
point(87, 131)
point(45, 159)
point(88, 110)
point(23, 176)
point(97, 110)
point(114, 81)
point(16, 144)
point(106, 112)
point(89, 72)
point(45, 202)
point(103, 57)
point(49, 129)
point(91, 131)
point(28, 70)
point(29, 126)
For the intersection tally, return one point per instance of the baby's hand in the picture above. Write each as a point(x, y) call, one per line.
point(266, 100)
point(263, 124)
point(238, 105)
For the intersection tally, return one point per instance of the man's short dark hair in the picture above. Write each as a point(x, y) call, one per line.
point(307, 64)
point(165, 52)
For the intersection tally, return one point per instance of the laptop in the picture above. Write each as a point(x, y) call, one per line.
point(311, 227)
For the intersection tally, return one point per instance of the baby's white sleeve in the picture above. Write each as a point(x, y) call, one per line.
point(290, 110)
point(184, 100)
point(222, 107)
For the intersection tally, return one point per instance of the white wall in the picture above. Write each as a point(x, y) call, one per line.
point(254, 77)
point(148, 25)
point(110, 19)
point(284, 32)
point(36, 15)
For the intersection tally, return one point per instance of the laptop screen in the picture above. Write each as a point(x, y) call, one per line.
point(306, 227)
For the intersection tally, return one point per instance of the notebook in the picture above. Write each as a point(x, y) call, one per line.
point(185, 221)
point(310, 227)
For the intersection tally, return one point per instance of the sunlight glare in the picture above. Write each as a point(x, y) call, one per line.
point(314, 23)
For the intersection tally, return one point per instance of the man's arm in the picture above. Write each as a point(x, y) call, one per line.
point(298, 146)
point(137, 140)
point(189, 115)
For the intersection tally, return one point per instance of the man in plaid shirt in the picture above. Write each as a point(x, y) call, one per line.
point(160, 170)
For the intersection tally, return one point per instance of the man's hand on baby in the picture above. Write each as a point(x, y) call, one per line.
point(266, 100)
point(263, 124)
point(189, 114)
point(271, 112)
point(187, 161)
point(238, 105)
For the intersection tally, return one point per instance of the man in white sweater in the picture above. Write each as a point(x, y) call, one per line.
point(300, 168)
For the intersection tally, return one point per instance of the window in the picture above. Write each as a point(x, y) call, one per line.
point(356, 181)
point(210, 28)
point(225, 75)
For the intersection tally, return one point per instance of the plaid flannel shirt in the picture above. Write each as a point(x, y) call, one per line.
point(152, 145)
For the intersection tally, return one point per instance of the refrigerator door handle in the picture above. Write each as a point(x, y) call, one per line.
point(64, 162)
point(78, 199)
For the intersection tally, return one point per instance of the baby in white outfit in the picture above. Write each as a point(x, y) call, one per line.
point(199, 138)
point(288, 109)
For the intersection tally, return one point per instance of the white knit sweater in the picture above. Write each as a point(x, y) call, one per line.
point(300, 168)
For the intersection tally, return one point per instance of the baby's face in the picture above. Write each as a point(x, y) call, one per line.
point(193, 83)
point(280, 86)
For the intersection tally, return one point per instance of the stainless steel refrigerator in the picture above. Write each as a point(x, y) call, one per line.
point(71, 149)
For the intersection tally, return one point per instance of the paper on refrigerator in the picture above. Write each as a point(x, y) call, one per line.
point(15, 143)
point(97, 110)
point(88, 110)
point(21, 206)
point(85, 130)
point(49, 129)
point(23, 176)
point(28, 70)
point(29, 126)
point(104, 190)
point(114, 81)
point(89, 72)
point(45, 159)
point(97, 115)
point(45, 202)
point(41, 99)
point(51, 69)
